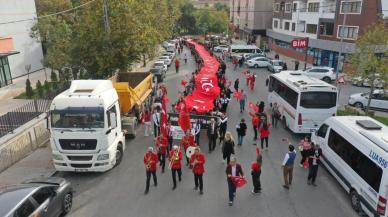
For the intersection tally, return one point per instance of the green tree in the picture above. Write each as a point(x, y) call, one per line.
point(211, 21)
point(186, 24)
point(39, 88)
point(47, 87)
point(221, 7)
point(29, 91)
point(370, 58)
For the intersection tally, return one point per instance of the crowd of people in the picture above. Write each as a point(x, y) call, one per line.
point(262, 120)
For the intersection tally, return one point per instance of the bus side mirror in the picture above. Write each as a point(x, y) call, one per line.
point(266, 82)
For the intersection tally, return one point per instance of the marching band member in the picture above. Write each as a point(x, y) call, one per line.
point(187, 141)
point(150, 161)
point(161, 146)
point(197, 161)
point(175, 158)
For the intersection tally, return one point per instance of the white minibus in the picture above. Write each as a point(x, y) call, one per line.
point(355, 152)
point(304, 102)
point(239, 50)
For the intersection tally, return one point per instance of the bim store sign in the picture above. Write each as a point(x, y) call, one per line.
point(300, 43)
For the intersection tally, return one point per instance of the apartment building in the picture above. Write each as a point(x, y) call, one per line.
point(249, 19)
point(332, 27)
point(16, 20)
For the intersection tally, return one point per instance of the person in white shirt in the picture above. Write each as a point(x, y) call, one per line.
point(288, 166)
point(156, 121)
point(196, 130)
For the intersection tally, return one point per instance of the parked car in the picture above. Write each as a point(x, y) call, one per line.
point(257, 62)
point(159, 73)
point(166, 60)
point(364, 82)
point(255, 55)
point(160, 65)
point(221, 48)
point(324, 73)
point(169, 54)
point(172, 52)
point(167, 43)
point(379, 100)
point(49, 197)
point(275, 66)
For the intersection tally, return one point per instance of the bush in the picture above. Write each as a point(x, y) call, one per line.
point(47, 87)
point(53, 76)
point(29, 91)
point(39, 87)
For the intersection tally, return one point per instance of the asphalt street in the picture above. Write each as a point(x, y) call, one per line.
point(120, 192)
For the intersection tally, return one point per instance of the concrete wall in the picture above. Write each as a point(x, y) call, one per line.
point(23, 141)
point(30, 50)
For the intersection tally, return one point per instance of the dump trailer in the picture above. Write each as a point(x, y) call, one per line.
point(134, 90)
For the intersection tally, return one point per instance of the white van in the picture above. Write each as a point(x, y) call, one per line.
point(355, 151)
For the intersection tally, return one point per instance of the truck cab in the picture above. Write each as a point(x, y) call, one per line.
point(86, 133)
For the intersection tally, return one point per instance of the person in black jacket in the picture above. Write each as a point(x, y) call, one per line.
point(241, 131)
point(314, 160)
point(227, 147)
point(236, 84)
point(223, 124)
point(212, 133)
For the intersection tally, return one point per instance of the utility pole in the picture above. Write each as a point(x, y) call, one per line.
point(340, 59)
point(105, 16)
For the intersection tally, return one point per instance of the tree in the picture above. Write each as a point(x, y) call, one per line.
point(29, 91)
point(211, 21)
point(370, 60)
point(221, 7)
point(47, 87)
point(187, 22)
point(39, 88)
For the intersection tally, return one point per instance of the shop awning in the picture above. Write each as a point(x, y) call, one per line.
point(6, 47)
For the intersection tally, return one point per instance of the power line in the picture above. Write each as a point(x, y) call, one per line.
point(50, 15)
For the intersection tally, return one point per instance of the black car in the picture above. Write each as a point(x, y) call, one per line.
point(50, 197)
point(159, 73)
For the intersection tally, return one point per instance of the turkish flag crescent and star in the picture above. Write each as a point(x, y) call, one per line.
point(206, 89)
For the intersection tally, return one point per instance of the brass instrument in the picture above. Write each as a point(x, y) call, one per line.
point(148, 165)
point(175, 157)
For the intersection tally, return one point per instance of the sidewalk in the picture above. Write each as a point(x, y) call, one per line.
point(37, 164)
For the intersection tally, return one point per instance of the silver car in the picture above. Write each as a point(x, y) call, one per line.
point(50, 197)
point(275, 66)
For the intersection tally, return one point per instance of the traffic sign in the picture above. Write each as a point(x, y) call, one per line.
point(299, 43)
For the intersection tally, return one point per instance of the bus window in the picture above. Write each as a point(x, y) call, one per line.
point(318, 99)
point(357, 161)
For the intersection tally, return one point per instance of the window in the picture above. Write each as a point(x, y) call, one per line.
point(275, 24)
point(276, 7)
point(25, 209)
point(42, 195)
point(5, 73)
point(293, 27)
point(326, 29)
point(294, 7)
point(311, 28)
point(318, 100)
point(282, 6)
point(285, 92)
point(287, 25)
point(357, 161)
point(288, 7)
point(322, 131)
point(313, 7)
point(348, 32)
point(112, 117)
point(78, 117)
point(351, 7)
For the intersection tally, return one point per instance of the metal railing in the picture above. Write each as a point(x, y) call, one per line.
point(23, 114)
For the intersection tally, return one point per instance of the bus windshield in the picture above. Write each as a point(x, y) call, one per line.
point(72, 117)
point(318, 100)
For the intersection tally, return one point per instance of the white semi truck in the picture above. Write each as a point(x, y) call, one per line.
point(86, 131)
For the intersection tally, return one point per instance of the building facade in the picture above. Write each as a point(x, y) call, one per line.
point(249, 19)
point(30, 51)
point(332, 27)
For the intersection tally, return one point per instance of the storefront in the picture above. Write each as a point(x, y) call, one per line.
point(5, 72)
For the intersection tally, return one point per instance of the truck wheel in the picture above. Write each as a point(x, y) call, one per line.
point(326, 79)
point(355, 201)
point(119, 154)
point(358, 105)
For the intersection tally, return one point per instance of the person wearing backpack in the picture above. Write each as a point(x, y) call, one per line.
point(241, 131)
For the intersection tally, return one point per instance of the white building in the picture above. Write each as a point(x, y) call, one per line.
point(30, 50)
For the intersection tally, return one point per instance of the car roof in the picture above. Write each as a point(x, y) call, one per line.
point(159, 62)
point(322, 67)
point(11, 196)
point(277, 60)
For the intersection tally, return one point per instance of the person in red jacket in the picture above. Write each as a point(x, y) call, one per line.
point(186, 142)
point(255, 123)
point(175, 158)
point(252, 82)
point(232, 170)
point(150, 160)
point(264, 134)
point(256, 172)
point(197, 161)
point(177, 65)
point(161, 145)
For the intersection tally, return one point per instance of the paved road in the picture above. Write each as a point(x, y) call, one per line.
point(120, 192)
